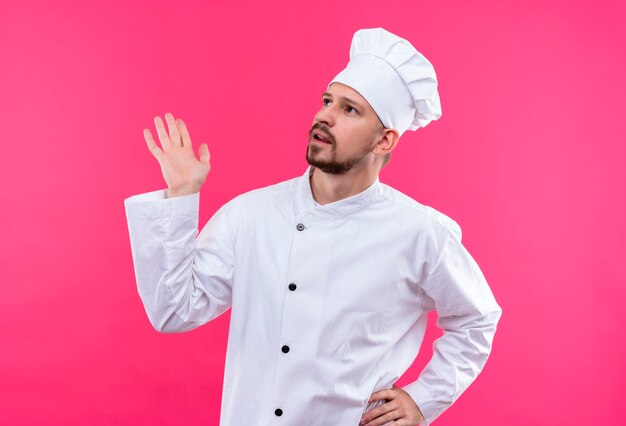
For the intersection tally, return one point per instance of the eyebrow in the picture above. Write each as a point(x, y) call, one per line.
point(350, 101)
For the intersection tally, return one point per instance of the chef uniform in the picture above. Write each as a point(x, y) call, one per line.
point(328, 302)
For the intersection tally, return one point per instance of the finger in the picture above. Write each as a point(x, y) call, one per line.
point(162, 133)
point(378, 411)
point(152, 146)
point(383, 394)
point(204, 154)
point(184, 134)
point(173, 129)
point(384, 419)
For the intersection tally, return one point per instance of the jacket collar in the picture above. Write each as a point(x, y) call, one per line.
point(305, 203)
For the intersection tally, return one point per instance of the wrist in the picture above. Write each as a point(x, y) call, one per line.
point(181, 192)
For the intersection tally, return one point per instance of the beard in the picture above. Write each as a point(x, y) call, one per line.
point(331, 165)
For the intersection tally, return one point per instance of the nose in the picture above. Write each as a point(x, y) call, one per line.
point(326, 115)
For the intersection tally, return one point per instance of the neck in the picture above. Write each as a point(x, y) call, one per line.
point(327, 188)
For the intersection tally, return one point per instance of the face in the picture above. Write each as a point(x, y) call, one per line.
point(344, 132)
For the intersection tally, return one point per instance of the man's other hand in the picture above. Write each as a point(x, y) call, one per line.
point(399, 410)
point(182, 171)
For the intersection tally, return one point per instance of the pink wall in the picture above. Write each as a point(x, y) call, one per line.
point(527, 157)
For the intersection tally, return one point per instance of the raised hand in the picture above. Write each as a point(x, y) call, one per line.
point(182, 171)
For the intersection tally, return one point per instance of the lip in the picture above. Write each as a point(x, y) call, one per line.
point(321, 135)
point(320, 142)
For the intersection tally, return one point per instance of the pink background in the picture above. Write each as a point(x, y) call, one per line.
point(527, 157)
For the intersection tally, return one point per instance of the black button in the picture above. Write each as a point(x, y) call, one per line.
point(292, 286)
point(278, 412)
point(285, 349)
point(300, 227)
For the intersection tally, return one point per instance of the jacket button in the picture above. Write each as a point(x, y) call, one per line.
point(278, 412)
point(285, 349)
point(292, 286)
point(300, 227)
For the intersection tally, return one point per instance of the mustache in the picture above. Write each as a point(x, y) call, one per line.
point(324, 129)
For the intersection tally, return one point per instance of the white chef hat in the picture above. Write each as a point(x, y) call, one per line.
point(396, 80)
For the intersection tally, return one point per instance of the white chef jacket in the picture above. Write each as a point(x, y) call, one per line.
point(328, 302)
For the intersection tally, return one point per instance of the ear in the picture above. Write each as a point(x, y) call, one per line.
point(387, 142)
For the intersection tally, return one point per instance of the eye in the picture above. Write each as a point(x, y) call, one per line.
point(351, 110)
point(325, 101)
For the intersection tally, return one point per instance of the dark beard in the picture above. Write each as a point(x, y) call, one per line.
point(331, 166)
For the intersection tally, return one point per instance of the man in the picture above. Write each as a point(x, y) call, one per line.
point(329, 276)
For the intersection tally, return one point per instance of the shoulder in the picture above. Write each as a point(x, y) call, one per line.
point(260, 199)
point(251, 206)
point(271, 193)
point(421, 213)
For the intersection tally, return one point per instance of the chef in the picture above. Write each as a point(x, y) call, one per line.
point(330, 275)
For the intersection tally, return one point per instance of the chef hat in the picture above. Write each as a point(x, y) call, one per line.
point(396, 80)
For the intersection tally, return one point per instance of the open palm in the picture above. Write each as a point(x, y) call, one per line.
point(182, 171)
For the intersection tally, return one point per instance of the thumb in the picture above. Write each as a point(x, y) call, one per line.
point(205, 155)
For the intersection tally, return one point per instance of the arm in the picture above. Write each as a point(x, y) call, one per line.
point(183, 281)
point(468, 315)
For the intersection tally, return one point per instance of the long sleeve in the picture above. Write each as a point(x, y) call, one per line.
point(184, 279)
point(468, 315)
